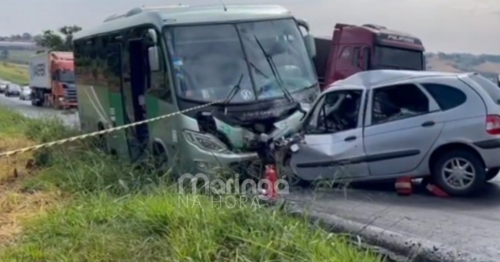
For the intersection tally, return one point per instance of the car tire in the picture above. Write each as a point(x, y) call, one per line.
point(475, 180)
point(492, 173)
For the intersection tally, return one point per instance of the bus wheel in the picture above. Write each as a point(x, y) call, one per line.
point(160, 159)
point(101, 142)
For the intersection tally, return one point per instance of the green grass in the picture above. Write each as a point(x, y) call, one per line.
point(97, 209)
point(14, 73)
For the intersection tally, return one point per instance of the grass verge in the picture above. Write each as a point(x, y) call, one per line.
point(14, 73)
point(77, 204)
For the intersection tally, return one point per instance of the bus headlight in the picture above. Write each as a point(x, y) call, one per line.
point(205, 141)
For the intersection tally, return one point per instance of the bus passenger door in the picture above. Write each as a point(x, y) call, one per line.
point(134, 90)
point(117, 140)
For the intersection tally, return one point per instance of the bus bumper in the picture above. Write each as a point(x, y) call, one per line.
point(200, 161)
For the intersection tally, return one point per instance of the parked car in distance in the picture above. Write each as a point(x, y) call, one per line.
point(3, 86)
point(13, 90)
point(387, 124)
point(25, 93)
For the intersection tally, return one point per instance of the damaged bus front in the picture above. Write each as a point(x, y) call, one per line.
point(253, 60)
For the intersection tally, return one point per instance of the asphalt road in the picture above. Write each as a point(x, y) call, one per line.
point(471, 224)
point(28, 110)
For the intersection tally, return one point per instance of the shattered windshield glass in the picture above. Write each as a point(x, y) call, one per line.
point(282, 42)
point(209, 60)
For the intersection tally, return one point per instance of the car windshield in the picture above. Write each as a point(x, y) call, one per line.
point(14, 88)
point(210, 59)
point(67, 76)
point(396, 58)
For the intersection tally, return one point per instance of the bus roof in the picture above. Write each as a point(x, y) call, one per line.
point(182, 14)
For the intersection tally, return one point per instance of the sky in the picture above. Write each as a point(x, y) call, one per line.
point(471, 26)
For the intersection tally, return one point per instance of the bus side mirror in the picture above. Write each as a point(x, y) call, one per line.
point(153, 54)
point(152, 37)
point(308, 38)
point(153, 57)
point(310, 45)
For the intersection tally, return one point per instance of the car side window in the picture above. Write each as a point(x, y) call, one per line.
point(396, 102)
point(337, 111)
point(446, 97)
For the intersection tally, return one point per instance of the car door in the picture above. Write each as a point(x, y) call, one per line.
point(402, 125)
point(328, 153)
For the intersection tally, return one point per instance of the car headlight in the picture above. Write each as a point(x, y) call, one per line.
point(205, 141)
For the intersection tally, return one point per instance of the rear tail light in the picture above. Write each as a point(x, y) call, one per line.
point(493, 124)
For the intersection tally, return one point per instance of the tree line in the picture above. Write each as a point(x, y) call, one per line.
point(60, 40)
point(25, 37)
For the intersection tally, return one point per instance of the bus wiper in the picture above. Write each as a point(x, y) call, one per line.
point(274, 70)
point(232, 93)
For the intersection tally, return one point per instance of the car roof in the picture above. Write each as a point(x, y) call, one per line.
point(373, 78)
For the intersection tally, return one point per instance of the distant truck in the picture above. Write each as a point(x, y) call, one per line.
point(359, 48)
point(52, 80)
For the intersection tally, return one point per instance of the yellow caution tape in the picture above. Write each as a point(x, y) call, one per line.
point(102, 132)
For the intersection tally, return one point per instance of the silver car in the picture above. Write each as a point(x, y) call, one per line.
point(3, 86)
point(386, 124)
point(25, 93)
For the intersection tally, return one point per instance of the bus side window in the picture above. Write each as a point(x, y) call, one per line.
point(113, 64)
point(160, 84)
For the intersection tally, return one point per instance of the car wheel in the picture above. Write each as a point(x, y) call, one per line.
point(492, 173)
point(459, 173)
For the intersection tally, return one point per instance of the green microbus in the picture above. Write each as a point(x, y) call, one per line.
point(153, 61)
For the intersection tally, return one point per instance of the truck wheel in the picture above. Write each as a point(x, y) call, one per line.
point(459, 173)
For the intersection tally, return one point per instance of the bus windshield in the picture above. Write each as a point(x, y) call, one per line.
point(210, 59)
point(396, 58)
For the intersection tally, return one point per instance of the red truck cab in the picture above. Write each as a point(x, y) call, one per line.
point(368, 47)
point(63, 80)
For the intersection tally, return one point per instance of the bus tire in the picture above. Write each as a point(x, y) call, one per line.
point(101, 142)
point(160, 158)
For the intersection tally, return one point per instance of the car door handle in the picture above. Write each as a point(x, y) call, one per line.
point(350, 138)
point(428, 124)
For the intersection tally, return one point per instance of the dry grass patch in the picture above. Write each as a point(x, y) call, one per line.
point(16, 204)
point(16, 165)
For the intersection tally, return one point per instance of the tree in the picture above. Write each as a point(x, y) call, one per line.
point(50, 40)
point(26, 37)
point(68, 32)
point(57, 41)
